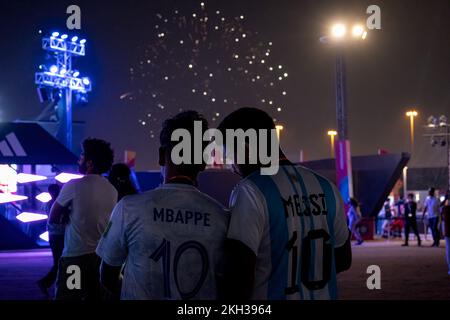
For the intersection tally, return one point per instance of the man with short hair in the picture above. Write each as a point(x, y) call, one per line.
point(288, 235)
point(171, 238)
point(411, 220)
point(431, 207)
point(89, 201)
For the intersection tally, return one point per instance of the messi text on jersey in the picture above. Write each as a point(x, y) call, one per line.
point(306, 205)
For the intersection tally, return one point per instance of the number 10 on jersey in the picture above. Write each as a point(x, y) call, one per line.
point(163, 253)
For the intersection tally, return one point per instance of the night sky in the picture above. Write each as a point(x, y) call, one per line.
point(406, 63)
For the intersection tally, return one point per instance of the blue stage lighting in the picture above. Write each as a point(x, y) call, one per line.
point(60, 77)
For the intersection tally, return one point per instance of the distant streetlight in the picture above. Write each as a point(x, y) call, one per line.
point(279, 127)
point(412, 114)
point(332, 134)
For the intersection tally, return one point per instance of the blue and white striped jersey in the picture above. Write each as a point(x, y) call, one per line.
point(292, 221)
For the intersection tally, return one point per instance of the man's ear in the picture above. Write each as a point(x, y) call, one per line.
point(162, 156)
point(89, 164)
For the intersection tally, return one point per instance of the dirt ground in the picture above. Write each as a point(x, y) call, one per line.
point(406, 272)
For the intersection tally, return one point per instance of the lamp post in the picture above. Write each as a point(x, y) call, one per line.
point(279, 128)
point(337, 38)
point(412, 114)
point(332, 134)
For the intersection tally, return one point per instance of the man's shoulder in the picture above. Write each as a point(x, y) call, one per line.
point(211, 203)
point(249, 186)
point(304, 170)
point(138, 198)
point(155, 194)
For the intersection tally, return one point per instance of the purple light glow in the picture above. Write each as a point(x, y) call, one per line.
point(44, 236)
point(30, 217)
point(9, 197)
point(25, 178)
point(44, 197)
point(66, 177)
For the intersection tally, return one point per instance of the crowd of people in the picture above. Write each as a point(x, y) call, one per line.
point(283, 236)
point(435, 216)
point(403, 216)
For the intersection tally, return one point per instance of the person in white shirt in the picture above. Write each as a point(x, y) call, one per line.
point(89, 201)
point(288, 235)
point(431, 208)
point(354, 218)
point(170, 239)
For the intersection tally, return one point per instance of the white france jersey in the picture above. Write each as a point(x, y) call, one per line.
point(171, 241)
point(292, 221)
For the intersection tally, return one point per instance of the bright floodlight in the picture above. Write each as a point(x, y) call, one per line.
point(62, 71)
point(25, 178)
point(86, 81)
point(412, 113)
point(44, 236)
point(82, 41)
point(432, 121)
point(338, 30)
point(364, 35)
point(76, 73)
point(55, 34)
point(332, 132)
point(66, 177)
point(53, 69)
point(74, 39)
point(30, 217)
point(44, 197)
point(358, 31)
point(64, 36)
point(9, 197)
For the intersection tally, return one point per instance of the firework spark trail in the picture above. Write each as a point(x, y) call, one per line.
point(205, 61)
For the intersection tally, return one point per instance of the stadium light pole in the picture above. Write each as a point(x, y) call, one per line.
point(412, 114)
point(61, 77)
point(440, 137)
point(332, 134)
point(339, 37)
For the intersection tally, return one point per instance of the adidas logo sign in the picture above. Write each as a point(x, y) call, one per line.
point(11, 147)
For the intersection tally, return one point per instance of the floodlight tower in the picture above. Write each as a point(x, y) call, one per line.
point(340, 38)
point(61, 77)
point(440, 136)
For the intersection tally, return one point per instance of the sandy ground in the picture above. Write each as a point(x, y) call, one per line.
point(406, 272)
